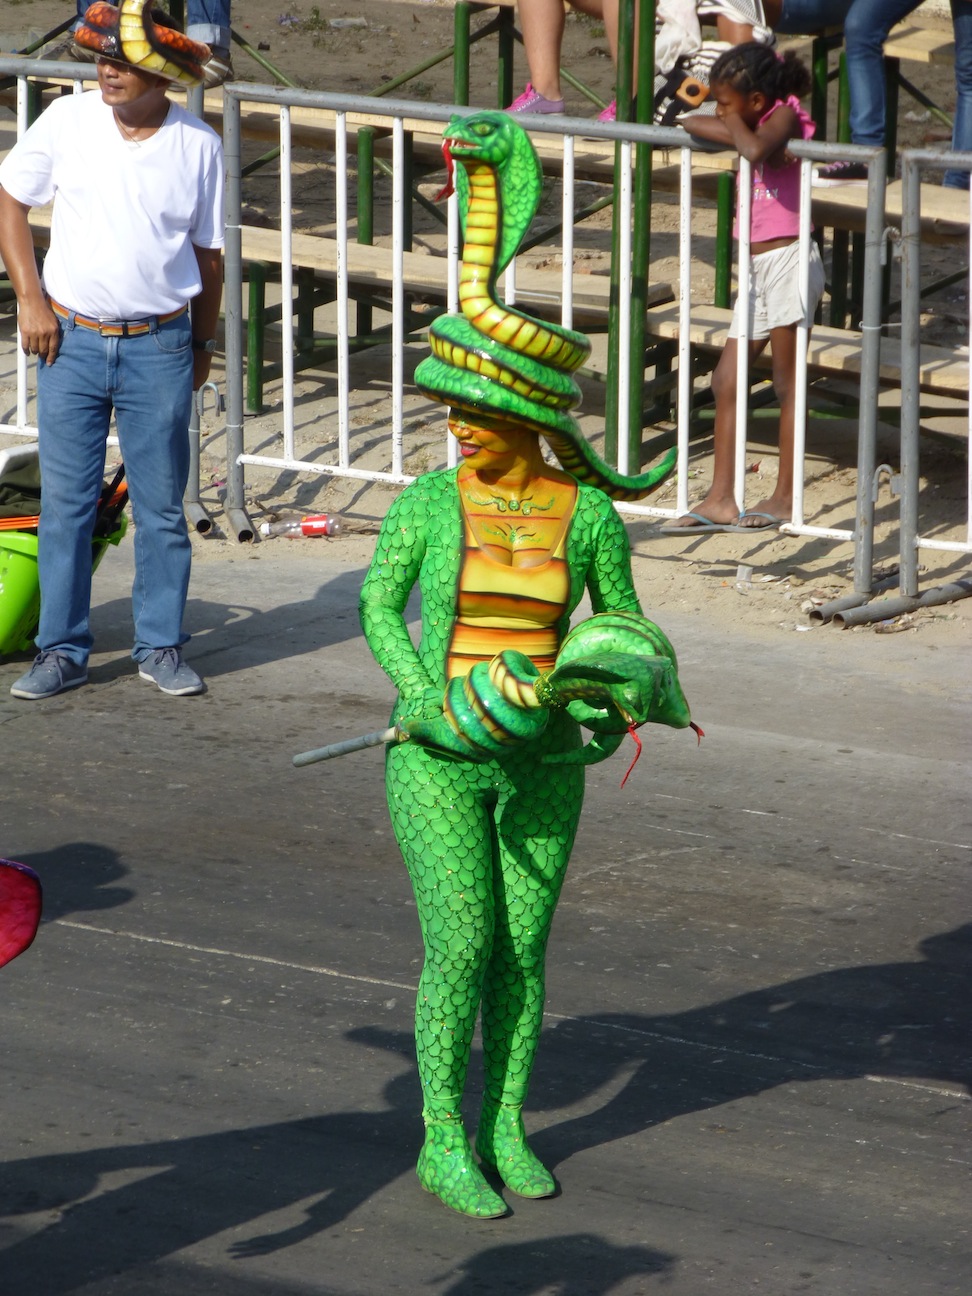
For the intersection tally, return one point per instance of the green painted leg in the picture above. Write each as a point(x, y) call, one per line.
point(446, 1168)
point(502, 1146)
point(485, 907)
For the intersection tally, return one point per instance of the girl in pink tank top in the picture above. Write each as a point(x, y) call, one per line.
point(757, 95)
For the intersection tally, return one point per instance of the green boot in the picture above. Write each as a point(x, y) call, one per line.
point(502, 1146)
point(446, 1168)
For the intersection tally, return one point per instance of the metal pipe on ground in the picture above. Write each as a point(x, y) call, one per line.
point(194, 509)
point(887, 609)
point(827, 611)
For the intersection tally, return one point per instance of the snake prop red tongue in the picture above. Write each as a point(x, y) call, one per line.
point(20, 908)
point(449, 188)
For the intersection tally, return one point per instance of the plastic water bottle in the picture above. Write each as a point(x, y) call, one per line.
point(326, 524)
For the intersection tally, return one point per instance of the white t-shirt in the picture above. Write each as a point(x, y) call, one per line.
point(125, 218)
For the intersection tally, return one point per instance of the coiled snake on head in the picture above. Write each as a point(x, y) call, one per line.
point(494, 359)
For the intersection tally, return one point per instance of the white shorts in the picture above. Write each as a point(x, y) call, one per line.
point(774, 294)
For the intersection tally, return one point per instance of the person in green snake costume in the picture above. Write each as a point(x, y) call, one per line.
point(486, 840)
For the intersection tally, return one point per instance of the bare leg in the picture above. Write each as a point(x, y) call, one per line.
point(720, 504)
point(542, 25)
point(779, 505)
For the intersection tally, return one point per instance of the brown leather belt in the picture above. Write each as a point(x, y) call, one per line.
point(117, 328)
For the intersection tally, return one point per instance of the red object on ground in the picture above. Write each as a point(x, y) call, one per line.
point(20, 908)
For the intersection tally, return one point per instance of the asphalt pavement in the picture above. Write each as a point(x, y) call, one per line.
point(755, 1072)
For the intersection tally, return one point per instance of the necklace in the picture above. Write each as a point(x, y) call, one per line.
point(129, 135)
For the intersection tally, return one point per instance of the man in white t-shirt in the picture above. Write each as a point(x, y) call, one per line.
point(123, 322)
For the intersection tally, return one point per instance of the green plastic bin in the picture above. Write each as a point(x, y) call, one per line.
point(20, 584)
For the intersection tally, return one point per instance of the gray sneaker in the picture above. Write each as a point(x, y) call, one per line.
point(166, 668)
point(51, 673)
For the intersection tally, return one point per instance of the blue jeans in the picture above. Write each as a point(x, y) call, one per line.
point(206, 20)
point(866, 25)
point(209, 21)
point(147, 381)
point(962, 125)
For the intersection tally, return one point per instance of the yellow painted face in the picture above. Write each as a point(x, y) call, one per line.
point(484, 444)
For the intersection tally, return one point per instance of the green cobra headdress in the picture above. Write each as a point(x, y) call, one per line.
point(494, 359)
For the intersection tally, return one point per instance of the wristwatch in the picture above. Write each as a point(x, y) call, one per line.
point(204, 344)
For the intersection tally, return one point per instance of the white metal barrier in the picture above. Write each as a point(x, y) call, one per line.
point(395, 114)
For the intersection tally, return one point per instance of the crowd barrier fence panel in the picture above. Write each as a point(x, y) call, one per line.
point(570, 129)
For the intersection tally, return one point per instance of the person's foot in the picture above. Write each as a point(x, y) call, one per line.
point(502, 1146)
point(712, 513)
point(217, 68)
point(755, 520)
point(447, 1170)
point(766, 516)
point(840, 173)
point(52, 673)
point(165, 668)
point(532, 101)
point(608, 114)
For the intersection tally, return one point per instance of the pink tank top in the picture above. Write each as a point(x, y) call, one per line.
point(776, 190)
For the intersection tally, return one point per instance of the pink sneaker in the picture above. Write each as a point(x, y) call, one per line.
point(610, 113)
point(532, 101)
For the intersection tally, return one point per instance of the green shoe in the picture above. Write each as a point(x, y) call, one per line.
point(447, 1170)
point(502, 1146)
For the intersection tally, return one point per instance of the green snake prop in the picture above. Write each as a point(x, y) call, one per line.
point(494, 359)
point(614, 672)
point(486, 792)
point(129, 33)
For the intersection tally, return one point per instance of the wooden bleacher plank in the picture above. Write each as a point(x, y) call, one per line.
point(425, 275)
point(833, 351)
point(944, 212)
point(915, 43)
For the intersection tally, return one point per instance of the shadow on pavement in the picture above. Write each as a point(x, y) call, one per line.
point(229, 637)
point(79, 877)
point(898, 1019)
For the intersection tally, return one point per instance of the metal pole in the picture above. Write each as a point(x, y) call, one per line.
point(910, 371)
point(236, 517)
point(641, 243)
point(802, 345)
point(870, 374)
point(504, 55)
point(623, 81)
point(191, 503)
point(460, 55)
point(366, 211)
point(742, 341)
point(725, 192)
